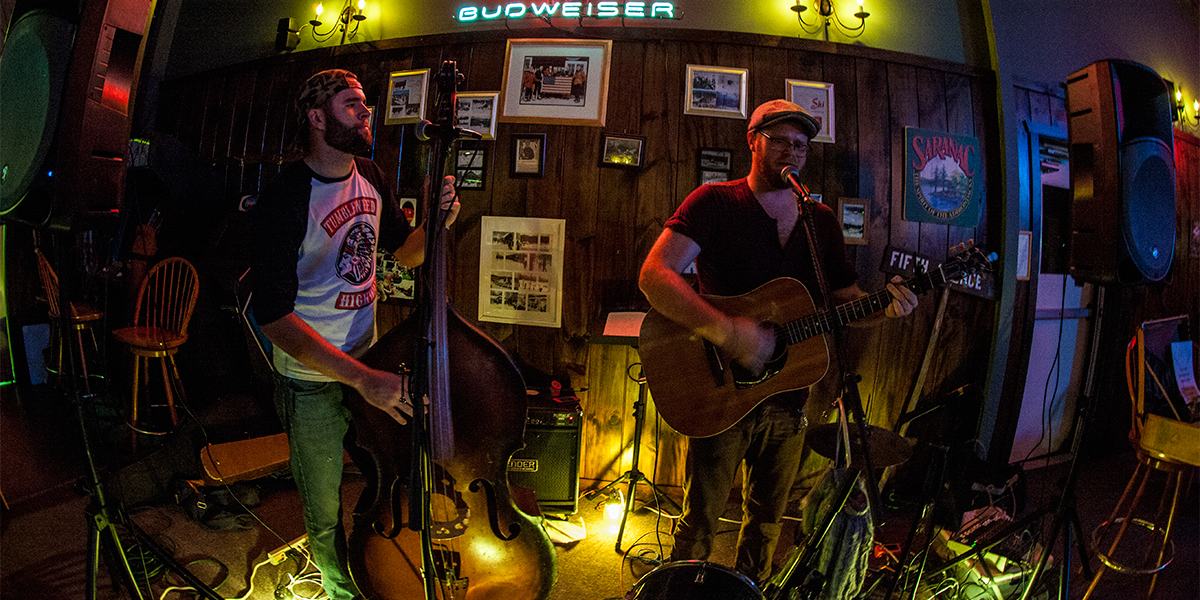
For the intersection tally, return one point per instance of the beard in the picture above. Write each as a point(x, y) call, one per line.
point(348, 139)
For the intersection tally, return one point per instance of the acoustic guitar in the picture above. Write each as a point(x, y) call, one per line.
point(700, 392)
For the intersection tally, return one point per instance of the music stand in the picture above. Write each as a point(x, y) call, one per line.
point(621, 329)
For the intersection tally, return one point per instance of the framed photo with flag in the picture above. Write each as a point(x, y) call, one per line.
point(555, 81)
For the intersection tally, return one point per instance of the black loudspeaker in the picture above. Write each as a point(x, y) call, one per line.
point(549, 462)
point(1122, 174)
point(67, 82)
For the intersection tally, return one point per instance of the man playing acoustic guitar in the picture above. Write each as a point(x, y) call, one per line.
point(742, 234)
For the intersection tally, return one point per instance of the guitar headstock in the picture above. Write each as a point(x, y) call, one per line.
point(967, 259)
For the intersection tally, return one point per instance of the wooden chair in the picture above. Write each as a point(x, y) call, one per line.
point(1164, 444)
point(83, 317)
point(164, 307)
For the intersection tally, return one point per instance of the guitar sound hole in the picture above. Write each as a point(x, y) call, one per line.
point(743, 378)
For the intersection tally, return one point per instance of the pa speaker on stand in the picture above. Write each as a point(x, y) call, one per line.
point(68, 78)
point(1122, 157)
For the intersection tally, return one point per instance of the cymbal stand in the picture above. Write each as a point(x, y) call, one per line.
point(634, 475)
point(104, 515)
point(923, 522)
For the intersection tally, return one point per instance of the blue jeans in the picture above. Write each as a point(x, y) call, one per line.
point(316, 423)
point(770, 439)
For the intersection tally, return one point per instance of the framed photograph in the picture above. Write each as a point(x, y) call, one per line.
point(408, 206)
point(854, 214)
point(714, 159)
point(520, 270)
point(1024, 254)
point(469, 168)
point(715, 92)
point(528, 154)
point(393, 281)
point(707, 176)
point(816, 98)
point(622, 151)
point(555, 81)
point(406, 96)
point(477, 112)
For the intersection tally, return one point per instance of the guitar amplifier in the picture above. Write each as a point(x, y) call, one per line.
point(549, 462)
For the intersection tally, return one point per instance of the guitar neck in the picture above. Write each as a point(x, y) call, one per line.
point(821, 322)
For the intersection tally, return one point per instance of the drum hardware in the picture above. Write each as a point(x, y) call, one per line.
point(887, 448)
point(694, 580)
point(797, 579)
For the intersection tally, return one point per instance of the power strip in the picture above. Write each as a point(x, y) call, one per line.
point(279, 554)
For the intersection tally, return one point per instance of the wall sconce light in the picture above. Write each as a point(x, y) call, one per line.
point(1181, 113)
point(287, 38)
point(827, 15)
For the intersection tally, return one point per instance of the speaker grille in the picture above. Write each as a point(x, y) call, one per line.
point(1148, 207)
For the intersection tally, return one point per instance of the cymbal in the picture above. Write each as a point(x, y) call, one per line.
point(887, 448)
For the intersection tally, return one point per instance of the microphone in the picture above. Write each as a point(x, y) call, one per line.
point(791, 176)
point(427, 131)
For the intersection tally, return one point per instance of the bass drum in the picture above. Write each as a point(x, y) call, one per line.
point(695, 580)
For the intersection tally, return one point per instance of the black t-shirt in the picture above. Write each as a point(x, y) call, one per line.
point(739, 243)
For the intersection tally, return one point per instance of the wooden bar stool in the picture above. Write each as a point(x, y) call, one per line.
point(164, 307)
point(83, 317)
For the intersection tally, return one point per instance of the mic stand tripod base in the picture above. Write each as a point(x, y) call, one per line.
point(633, 475)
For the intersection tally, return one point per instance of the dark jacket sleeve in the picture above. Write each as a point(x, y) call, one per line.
point(278, 223)
point(393, 227)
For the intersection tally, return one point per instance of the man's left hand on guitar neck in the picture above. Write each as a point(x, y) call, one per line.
point(904, 301)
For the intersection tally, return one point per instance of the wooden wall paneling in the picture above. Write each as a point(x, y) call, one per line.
point(840, 162)
point(605, 413)
point(580, 303)
point(191, 111)
point(768, 72)
point(616, 207)
point(244, 84)
point(655, 203)
point(656, 200)
point(809, 66)
point(959, 121)
point(484, 68)
point(901, 341)
point(573, 152)
point(191, 118)
point(931, 108)
point(968, 319)
point(278, 112)
point(256, 130)
point(873, 138)
point(731, 133)
point(904, 112)
point(695, 132)
point(215, 117)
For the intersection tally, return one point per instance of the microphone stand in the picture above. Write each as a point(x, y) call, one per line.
point(432, 348)
point(849, 381)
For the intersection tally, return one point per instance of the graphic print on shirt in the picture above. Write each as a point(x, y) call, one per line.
point(356, 257)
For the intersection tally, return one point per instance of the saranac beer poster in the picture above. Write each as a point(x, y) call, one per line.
point(943, 181)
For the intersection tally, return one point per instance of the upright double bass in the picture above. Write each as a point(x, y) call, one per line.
point(436, 519)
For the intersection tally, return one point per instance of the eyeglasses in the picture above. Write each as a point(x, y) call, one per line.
point(786, 146)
